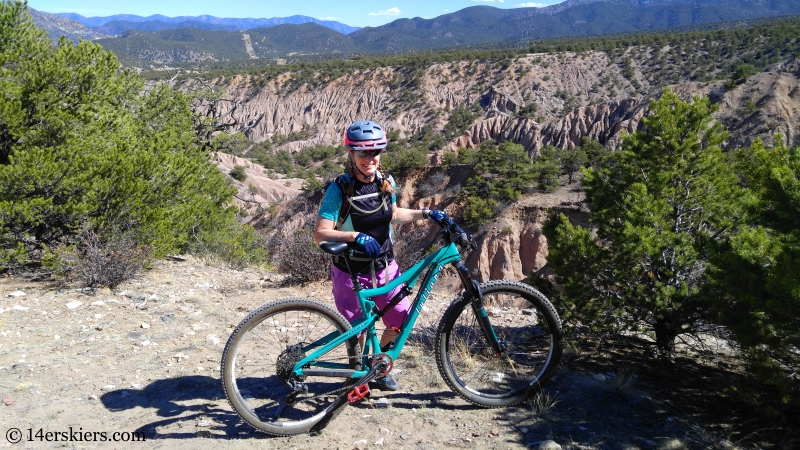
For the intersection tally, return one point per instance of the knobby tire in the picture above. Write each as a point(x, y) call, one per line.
point(250, 366)
point(525, 323)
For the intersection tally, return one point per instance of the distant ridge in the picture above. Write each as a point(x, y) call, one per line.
point(58, 26)
point(119, 23)
point(478, 25)
point(158, 40)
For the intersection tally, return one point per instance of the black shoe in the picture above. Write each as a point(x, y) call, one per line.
point(386, 383)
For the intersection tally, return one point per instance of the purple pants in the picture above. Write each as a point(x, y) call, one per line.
point(346, 301)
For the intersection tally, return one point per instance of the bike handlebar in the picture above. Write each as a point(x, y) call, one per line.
point(459, 235)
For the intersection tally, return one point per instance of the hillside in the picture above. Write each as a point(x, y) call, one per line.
point(538, 91)
point(470, 27)
point(57, 26)
point(482, 24)
point(172, 46)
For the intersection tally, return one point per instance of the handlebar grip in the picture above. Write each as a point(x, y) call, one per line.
point(462, 238)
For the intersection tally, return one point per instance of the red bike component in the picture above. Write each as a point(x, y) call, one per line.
point(358, 393)
point(383, 357)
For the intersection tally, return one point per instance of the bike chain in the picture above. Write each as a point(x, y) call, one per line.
point(345, 388)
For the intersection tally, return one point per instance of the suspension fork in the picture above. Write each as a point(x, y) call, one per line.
point(473, 292)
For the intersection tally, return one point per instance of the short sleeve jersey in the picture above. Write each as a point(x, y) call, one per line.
point(368, 213)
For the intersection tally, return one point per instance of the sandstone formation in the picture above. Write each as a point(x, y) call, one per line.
point(277, 108)
point(602, 122)
point(266, 192)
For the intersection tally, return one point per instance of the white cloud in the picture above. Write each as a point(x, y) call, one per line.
point(531, 5)
point(388, 12)
point(328, 18)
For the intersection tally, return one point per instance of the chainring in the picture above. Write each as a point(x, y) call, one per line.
point(385, 358)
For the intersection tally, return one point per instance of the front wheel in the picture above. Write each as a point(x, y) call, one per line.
point(528, 330)
point(258, 359)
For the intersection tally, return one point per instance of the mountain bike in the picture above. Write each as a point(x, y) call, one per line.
point(292, 365)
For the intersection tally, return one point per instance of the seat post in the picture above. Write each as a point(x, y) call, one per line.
point(356, 284)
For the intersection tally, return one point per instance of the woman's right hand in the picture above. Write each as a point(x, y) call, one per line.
point(368, 245)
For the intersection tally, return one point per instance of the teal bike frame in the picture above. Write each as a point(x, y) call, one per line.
point(309, 366)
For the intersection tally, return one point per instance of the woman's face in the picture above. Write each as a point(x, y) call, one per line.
point(368, 164)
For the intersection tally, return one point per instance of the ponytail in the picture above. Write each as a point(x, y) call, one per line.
point(387, 185)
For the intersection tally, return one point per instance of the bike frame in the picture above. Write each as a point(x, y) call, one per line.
point(309, 366)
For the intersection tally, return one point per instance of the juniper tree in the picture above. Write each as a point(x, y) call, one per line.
point(80, 145)
point(655, 206)
point(572, 160)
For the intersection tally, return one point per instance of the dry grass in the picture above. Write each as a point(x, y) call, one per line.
point(419, 363)
point(543, 404)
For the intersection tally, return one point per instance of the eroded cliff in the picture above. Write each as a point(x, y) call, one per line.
point(569, 105)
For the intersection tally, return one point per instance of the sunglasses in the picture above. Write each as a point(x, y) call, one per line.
point(368, 153)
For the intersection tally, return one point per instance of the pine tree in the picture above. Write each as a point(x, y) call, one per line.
point(758, 268)
point(656, 206)
point(502, 173)
point(546, 169)
point(81, 146)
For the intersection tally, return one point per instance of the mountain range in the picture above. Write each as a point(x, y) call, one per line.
point(119, 23)
point(149, 40)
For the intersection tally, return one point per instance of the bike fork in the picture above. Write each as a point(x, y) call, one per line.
point(473, 289)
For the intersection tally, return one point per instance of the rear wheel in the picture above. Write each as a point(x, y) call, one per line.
point(257, 367)
point(529, 331)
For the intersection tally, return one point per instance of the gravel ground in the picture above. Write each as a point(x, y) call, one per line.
point(145, 358)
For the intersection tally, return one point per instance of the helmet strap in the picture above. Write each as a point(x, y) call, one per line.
point(355, 166)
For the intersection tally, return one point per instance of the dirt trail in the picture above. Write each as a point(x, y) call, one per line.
point(145, 358)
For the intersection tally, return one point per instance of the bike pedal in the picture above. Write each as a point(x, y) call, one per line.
point(358, 393)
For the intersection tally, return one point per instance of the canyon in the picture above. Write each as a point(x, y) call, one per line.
point(570, 104)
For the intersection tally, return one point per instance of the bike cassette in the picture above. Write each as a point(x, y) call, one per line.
point(287, 360)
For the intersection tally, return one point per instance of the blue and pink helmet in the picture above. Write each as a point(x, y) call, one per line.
point(365, 135)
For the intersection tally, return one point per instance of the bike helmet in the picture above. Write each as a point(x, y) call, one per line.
point(365, 135)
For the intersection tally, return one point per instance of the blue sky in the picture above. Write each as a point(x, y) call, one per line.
point(357, 13)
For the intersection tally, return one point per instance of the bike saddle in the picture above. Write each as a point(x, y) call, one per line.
point(334, 248)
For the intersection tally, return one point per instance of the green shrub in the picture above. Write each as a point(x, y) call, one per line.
point(642, 268)
point(79, 139)
point(501, 173)
point(758, 267)
point(238, 173)
point(232, 245)
point(449, 159)
point(572, 160)
point(546, 169)
point(528, 110)
point(478, 210)
point(311, 184)
point(461, 117)
point(401, 159)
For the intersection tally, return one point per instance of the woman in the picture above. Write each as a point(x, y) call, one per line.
point(359, 207)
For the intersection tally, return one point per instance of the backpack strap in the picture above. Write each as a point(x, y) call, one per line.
point(343, 181)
